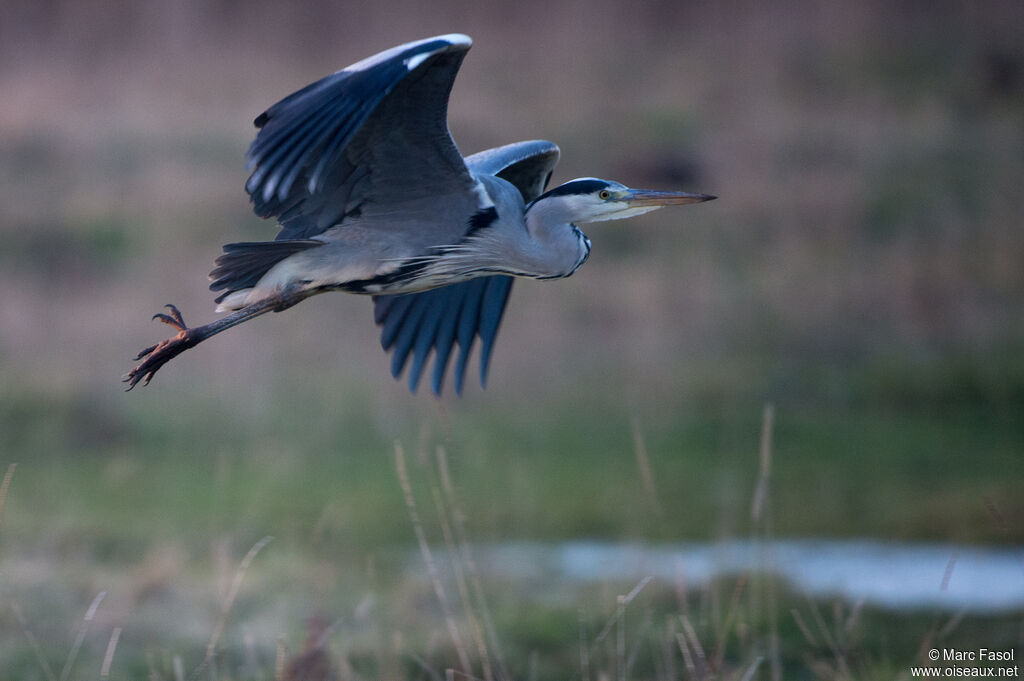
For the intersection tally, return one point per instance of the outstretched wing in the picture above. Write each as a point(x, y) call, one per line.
point(527, 165)
point(371, 137)
point(414, 324)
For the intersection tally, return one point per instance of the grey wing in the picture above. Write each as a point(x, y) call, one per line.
point(373, 135)
point(527, 165)
point(414, 324)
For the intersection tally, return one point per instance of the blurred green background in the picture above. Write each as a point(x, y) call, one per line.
point(862, 272)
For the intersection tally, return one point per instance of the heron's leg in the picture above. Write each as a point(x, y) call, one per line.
point(155, 356)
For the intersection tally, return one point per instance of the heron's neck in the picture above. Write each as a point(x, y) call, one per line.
point(557, 246)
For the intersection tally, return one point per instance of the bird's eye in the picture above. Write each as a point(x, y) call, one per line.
point(604, 194)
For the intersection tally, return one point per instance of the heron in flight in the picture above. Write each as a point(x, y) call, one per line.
point(373, 197)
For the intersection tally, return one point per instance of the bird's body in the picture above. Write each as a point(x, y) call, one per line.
point(359, 257)
point(373, 197)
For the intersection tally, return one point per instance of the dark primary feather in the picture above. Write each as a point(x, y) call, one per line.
point(414, 324)
point(324, 151)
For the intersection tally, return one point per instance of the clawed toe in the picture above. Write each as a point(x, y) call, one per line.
point(155, 356)
point(144, 352)
point(173, 319)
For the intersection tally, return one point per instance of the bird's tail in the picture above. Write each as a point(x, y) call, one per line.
point(242, 265)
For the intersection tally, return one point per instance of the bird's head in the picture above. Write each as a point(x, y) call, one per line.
point(589, 199)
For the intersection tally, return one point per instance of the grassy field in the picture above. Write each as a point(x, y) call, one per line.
point(162, 534)
point(861, 272)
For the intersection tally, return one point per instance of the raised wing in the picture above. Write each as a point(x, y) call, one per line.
point(374, 134)
point(414, 324)
point(527, 165)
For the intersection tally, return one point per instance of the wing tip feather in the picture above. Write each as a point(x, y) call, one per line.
point(419, 326)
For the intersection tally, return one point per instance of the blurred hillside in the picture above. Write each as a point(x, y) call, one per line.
point(864, 258)
point(868, 162)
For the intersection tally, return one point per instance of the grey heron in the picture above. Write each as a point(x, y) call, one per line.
point(373, 197)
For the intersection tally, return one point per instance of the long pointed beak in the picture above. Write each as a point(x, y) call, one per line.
point(650, 197)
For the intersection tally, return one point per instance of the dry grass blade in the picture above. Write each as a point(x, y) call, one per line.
point(854, 617)
point(628, 598)
point(952, 624)
point(842, 671)
point(108, 657)
point(463, 586)
point(699, 661)
point(584, 650)
point(83, 626)
point(620, 638)
point(620, 624)
point(1000, 520)
point(730, 616)
point(466, 554)
point(621, 601)
point(643, 462)
point(684, 648)
point(43, 664)
point(280, 658)
point(947, 574)
point(997, 515)
point(668, 658)
point(641, 638)
point(757, 504)
point(435, 577)
point(229, 602)
point(427, 668)
point(761, 514)
point(819, 621)
point(752, 669)
point(152, 673)
point(4, 486)
point(802, 626)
